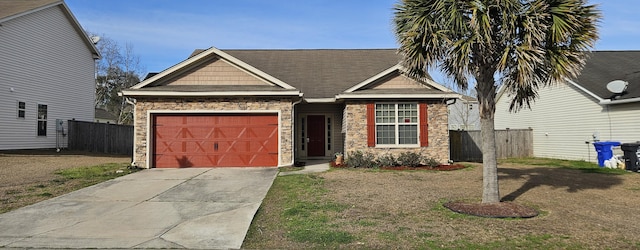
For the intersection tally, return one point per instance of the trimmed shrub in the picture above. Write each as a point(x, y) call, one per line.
point(358, 159)
point(431, 162)
point(387, 160)
point(410, 159)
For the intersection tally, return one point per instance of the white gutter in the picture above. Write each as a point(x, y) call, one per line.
point(320, 100)
point(602, 101)
point(133, 156)
point(210, 93)
point(609, 101)
point(585, 90)
point(396, 96)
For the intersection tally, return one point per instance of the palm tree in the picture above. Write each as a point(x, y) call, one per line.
point(521, 45)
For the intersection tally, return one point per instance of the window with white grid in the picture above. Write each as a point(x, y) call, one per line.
point(396, 123)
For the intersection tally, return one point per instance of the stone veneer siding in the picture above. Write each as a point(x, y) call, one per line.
point(356, 132)
point(143, 105)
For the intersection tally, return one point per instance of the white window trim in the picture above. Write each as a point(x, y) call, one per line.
point(38, 120)
point(18, 109)
point(329, 138)
point(397, 125)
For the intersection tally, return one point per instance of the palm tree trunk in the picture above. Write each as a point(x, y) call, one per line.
point(490, 188)
point(486, 90)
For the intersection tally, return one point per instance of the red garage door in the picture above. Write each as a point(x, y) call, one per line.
point(235, 140)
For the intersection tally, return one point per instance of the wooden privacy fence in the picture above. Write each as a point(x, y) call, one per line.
point(100, 137)
point(467, 145)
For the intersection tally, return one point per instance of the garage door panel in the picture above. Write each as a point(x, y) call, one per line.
point(172, 161)
point(245, 159)
point(184, 146)
point(229, 133)
point(215, 140)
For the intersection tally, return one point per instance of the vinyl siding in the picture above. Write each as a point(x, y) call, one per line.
point(464, 115)
point(397, 81)
point(216, 72)
point(44, 61)
point(564, 118)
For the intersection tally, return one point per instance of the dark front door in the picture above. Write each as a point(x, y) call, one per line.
point(315, 143)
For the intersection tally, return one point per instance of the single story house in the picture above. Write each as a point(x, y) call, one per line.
point(568, 117)
point(275, 107)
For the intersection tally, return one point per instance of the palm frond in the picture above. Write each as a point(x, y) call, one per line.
point(522, 44)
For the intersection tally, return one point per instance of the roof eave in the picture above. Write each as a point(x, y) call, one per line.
point(620, 101)
point(391, 70)
point(373, 78)
point(134, 93)
point(600, 100)
point(7, 18)
point(87, 40)
point(74, 22)
point(585, 90)
point(222, 55)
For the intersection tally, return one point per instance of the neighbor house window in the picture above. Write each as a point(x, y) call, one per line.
point(329, 133)
point(22, 107)
point(42, 120)
point(304, 140)
point(396, 123)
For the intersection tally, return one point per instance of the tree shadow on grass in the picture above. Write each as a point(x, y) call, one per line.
point(558, 178)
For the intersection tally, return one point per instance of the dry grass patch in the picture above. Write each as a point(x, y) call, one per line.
point(31, 176)
point(396, 209)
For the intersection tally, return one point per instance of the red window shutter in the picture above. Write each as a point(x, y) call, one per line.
point(371, 125)
point(424, 125)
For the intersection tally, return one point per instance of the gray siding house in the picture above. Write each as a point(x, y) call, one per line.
point(464, 114)
point(46, 73)
point(275, 107)
point(568, 117)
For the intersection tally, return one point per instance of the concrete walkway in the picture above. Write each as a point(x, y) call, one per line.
point(313, 166)
point(155, 208)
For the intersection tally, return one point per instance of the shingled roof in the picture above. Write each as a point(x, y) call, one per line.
point(320, 73)
point(605, 66)
point(11, 8)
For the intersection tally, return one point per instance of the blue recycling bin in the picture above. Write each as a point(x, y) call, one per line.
point(605, 150)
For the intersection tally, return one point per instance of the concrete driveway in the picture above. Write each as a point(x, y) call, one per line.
point(155, 208)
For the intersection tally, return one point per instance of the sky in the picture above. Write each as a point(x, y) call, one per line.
point(165, 32)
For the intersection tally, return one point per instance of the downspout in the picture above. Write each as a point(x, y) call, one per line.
point(133, 152)
point(293, 131)
point(448, 131)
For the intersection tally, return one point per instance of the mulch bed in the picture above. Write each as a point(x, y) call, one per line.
point(438, 168)
point(492, 210)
